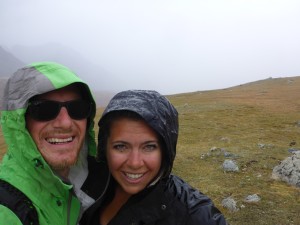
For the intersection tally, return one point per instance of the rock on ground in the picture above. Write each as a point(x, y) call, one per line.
point(288, 170)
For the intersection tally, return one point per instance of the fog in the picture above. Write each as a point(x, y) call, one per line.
point(167, 45)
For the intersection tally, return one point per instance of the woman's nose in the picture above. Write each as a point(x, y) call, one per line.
point(135, 159)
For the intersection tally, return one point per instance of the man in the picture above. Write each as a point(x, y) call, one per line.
point(47, 120)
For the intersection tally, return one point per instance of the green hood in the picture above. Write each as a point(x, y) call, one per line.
point(22, 159)
point(35, 79)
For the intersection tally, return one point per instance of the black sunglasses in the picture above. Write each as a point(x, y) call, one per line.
point(45, 110)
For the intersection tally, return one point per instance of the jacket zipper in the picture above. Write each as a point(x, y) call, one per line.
point(69, 208)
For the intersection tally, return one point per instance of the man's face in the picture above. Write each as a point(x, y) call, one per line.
point(60, 139)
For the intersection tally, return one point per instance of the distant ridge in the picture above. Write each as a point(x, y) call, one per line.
point(69, 57)
point(276, 94)
point(8, 63)
point(2, 85)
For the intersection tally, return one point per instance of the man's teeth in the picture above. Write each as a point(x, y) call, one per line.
point(59, 140)
point(134, 176)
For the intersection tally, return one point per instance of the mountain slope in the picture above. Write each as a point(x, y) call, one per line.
point(275, 94)
point(91, 73)
point(256, 125)
point(8, 63)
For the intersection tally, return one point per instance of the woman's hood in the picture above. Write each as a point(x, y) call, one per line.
point(157, 111)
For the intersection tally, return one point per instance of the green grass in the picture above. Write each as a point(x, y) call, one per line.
point(239, 119)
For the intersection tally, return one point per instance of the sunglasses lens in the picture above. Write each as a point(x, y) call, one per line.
point(79, 109)
point(43, 110)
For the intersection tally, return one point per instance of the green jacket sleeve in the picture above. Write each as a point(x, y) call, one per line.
point(8, 217)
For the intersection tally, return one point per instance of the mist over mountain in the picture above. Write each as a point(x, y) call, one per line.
point(94, 75)
point(90, 72)
point(8, 63)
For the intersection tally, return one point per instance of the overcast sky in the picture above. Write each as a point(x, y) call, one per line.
point(168, 45)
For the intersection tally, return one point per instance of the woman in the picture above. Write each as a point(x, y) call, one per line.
point(137, 146)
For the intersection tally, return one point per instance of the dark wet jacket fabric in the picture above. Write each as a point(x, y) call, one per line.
point(171, 201)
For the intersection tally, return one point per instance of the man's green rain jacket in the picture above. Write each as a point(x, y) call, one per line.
point(56, 202)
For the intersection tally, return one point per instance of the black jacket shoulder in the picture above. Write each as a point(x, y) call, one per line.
point(170, 201)
point(199, 208)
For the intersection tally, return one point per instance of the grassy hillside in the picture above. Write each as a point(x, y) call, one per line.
point(240, 120)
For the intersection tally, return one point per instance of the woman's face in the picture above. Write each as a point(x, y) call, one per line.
point(133, 154)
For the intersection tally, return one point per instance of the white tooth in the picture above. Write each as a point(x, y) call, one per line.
point(134, 176)
point(58, 140)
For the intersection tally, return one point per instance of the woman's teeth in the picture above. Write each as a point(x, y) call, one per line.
point(134, 176)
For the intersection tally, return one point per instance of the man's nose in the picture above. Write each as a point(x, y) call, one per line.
point(63, 119)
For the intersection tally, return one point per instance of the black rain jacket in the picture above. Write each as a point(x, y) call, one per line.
point(171, 201)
